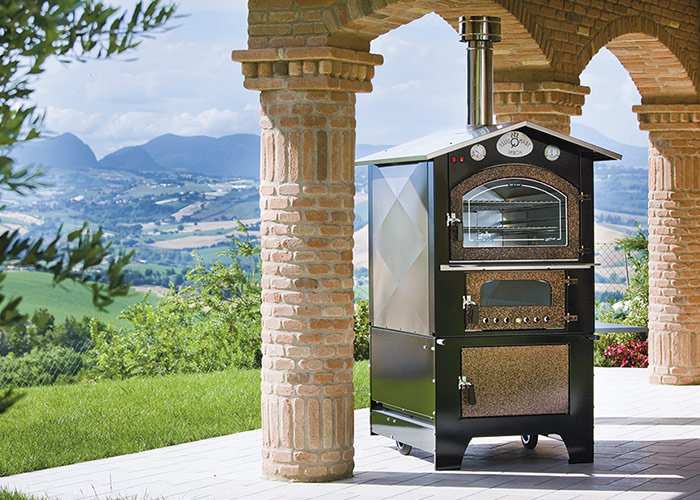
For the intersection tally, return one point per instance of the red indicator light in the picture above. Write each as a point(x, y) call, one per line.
point(454, 159)
point(461, 159)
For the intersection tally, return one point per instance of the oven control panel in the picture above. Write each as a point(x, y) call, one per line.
point(525, 320)
point(516, 300)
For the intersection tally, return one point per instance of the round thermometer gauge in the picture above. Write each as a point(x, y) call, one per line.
point(477, 152)
point(552, 152)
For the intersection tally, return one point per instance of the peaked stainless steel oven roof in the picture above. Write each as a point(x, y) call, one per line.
point(431, 146)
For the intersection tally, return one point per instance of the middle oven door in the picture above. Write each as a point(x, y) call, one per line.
point(515, 300)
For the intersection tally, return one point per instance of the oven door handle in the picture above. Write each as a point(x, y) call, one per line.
point(455, 222)
point(472, 310)
point(465, 385)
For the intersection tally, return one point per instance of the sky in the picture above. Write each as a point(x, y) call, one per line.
point(183, 81)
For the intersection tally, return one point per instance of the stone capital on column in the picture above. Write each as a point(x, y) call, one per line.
point(550, 104)
point(668, 117)
point(308, 68)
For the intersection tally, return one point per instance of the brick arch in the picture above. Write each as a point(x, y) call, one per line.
point(656, 62)
point(518, 51)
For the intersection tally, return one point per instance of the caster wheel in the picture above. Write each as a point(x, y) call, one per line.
point(529, 441)
point(403, 448)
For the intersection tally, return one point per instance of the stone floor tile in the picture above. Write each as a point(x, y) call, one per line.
point(560, 495)
point(647, 446)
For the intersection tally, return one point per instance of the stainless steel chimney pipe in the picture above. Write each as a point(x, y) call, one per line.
point(480, 33)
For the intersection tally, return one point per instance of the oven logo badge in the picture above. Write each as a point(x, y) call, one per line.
point(514, 145)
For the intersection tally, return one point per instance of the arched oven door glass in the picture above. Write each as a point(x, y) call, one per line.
point(514, 212)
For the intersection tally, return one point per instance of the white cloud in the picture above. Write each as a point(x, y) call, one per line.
point(419, 89)
point(219, 6)
point(192, 6)
point(184, 82)
point(60, 120)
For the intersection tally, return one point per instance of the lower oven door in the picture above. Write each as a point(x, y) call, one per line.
point(515, 300)
point(514, 380)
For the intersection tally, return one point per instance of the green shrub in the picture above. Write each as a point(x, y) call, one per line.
point(634, 309)
point(209, 325)
point(26, 335)
point(174, 336)
point(43, 366)
point(637, 248)
point(608, 313)
point(41, 331)
point(612, 339)
point(361, 328)
point(74, 333)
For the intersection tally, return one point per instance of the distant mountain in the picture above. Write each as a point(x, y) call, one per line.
point(64, 152)
point(132, 158)
point(620, 187)
point(236, 155)
point(632, 156)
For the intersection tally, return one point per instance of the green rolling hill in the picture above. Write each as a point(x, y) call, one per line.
point(63, 300)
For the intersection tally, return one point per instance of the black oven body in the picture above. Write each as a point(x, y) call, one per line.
point(459, 350)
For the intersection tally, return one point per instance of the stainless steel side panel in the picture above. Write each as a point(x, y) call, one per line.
point(404, 429)
point(402, 372)
point(399, 253)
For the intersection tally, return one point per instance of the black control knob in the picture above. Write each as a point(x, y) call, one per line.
point(546, 319)
point(485, 320)
point(536, 319)
point(526, 319)
point(506, 320)
point(495, 320)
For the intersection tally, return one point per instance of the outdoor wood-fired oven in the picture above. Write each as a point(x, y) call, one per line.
point(481, 280)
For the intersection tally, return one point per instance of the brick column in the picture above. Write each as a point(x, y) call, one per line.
point(306, 201)
point(674, 241)
point(550, 104)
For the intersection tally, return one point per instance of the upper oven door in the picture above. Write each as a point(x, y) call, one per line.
point(514, 212)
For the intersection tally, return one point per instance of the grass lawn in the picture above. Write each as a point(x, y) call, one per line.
point(63, 300)
point(60, 425)
point(6, 495)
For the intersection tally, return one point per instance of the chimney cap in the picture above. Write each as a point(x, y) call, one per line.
point(480, 28)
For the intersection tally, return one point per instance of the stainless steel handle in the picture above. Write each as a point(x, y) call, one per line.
point(471, 308)
point(454, 221)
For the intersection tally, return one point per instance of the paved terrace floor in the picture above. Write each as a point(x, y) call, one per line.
point(647, 446)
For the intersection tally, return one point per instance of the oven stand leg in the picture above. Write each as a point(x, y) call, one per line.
point(449, 453)
point(580, 447)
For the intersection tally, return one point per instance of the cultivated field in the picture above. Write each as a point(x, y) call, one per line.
point(63, 300)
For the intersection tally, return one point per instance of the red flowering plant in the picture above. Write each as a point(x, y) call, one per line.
point(634, 353)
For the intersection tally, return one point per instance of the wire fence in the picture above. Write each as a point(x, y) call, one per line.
point(50, 365)
point(22, 366)
point(361, 292)
point(612, 275)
